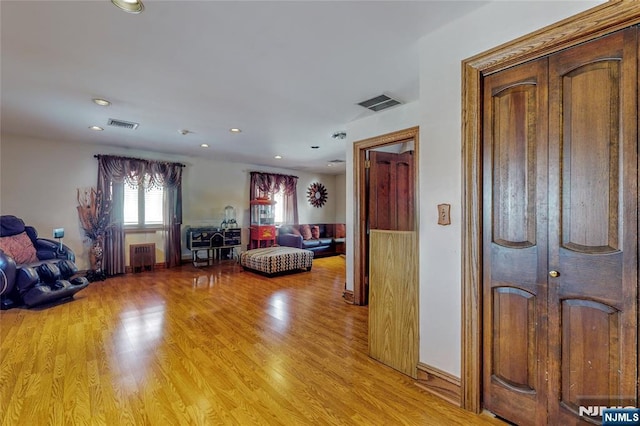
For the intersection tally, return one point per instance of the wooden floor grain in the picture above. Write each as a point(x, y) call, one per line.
point(206, 346)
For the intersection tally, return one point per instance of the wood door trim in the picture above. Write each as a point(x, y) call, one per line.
point(588, 25)
point(359, 150)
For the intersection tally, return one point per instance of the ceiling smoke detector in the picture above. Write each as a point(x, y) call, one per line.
point(339, 135)
point(379, 103)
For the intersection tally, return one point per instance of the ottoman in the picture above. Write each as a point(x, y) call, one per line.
point(275, 260)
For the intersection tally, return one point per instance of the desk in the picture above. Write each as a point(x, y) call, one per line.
point(213, 241)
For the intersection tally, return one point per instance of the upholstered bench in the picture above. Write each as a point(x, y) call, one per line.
point(275, 260)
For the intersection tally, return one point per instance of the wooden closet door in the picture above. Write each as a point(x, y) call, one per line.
point(560, 234)
point(593, 226)
point(515, 243)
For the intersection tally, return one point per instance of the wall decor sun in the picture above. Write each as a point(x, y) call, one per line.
point(317, 194)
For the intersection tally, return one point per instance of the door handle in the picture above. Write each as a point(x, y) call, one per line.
point(554, 274)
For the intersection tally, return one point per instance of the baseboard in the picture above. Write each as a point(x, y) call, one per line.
point(439, 383)
point(347, 295)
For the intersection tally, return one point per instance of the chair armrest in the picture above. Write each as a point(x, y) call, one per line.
point(290, 240)
point(7, 273)
point(26, 277)
point(49, 249)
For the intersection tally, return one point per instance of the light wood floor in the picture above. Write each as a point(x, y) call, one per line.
point(206, 346)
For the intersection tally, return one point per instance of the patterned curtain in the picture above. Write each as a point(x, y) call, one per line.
point(267, 184)
point(113, 173)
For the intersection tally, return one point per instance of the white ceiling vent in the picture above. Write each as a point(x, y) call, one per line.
point(122, 124)
point(379, 103)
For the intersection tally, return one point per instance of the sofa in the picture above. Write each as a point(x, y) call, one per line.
point(34, 271)
point(323, 239)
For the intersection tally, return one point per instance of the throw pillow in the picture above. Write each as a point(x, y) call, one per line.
point(295, 230)
point(305, 231)
point(340, 231)
point(19, 247)
point(315, 232)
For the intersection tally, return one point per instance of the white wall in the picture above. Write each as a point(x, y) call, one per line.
point(439, 118)
point(341, 198)
point(39, 179)
point(441, 159)
point(306, 212)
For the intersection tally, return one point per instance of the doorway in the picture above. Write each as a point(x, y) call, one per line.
point(361, 205)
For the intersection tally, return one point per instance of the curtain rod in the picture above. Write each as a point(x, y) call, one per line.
point(139, 159)
point(272, 173)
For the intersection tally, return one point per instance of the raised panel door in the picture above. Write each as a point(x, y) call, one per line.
point(391, 199)
point(593, 227)
point(515, 243)
point(560, 234)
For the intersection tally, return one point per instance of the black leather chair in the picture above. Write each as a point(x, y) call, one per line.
point(43, 273)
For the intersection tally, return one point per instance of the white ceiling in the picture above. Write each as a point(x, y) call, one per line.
point(289, 74)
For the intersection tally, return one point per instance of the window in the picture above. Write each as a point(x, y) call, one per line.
point(278, 212)
point(143, 207)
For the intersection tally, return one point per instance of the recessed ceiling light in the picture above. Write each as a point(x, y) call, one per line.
point(330, 165)
point(315, 147)
point(101, 102)
point(204, 145)
point(278, 157)
point(130, 6)
point(235, 130)
point(96, 128)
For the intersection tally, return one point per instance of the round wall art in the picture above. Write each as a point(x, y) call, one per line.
point(317, 194)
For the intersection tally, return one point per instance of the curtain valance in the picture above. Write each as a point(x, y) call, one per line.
point(137, 172)
point(268, 183)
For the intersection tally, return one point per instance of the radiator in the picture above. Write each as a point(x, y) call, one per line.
point(142, 256)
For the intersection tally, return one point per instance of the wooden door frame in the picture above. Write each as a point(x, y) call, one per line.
point(591, 24)
point(360, 208)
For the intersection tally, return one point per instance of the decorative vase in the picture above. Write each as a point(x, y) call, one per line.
point(95, 255)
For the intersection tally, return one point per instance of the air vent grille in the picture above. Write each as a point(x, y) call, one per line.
point(122, 124)
point(379, 103)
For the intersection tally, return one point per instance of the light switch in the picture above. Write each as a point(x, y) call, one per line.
point(444, 217)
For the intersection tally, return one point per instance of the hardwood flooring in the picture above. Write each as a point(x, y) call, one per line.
point(206, 346)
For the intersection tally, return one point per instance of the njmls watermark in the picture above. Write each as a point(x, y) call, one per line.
point(609, 410)
point(612, 415)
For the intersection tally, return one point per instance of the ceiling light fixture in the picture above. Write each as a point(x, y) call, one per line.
point(204, 145)
point(96, 128)
point(235, 130)
point(101, 102)
point(130, 6)
point(278, 157)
